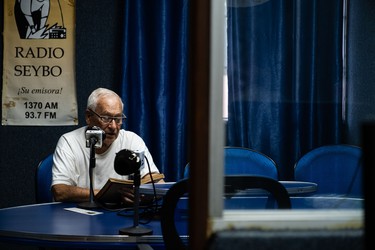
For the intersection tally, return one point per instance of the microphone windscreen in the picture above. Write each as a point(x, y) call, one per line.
point(126, 162)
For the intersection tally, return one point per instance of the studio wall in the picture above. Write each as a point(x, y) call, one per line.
point(98, 46)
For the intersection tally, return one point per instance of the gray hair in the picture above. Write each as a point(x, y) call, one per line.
point(92, 101)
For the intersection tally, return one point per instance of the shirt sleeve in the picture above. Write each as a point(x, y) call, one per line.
point(149, 165)
point(63, 170)
point(136, 143)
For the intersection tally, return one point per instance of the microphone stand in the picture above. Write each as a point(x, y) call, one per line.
point(91, 203)
point(136, 230)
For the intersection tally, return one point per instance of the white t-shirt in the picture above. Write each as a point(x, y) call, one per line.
point(72, 158)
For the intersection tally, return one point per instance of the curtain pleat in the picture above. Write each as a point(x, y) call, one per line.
point(154, 82)
point(284, 77)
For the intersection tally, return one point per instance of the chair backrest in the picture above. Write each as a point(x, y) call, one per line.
point(171, 237)
point(337, 169)
point(43, 180)
point(245, 161)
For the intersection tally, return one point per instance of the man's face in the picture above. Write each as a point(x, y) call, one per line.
point(109, 106)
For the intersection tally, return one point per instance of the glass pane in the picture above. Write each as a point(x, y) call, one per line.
point(286, 104)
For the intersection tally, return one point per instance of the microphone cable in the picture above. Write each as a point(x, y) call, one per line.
point(152, 210)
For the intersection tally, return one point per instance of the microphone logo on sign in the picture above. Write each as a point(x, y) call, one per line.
point(96, 136)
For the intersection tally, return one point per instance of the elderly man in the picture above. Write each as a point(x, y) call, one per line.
point(71, 159)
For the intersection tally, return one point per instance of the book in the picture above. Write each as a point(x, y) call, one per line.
point(110, 193)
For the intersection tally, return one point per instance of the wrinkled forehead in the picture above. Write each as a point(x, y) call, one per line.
point(109, 104)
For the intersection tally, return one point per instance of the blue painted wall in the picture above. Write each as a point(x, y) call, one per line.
point(361, 66)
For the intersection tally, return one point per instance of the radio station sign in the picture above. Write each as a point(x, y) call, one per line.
point(39, 86)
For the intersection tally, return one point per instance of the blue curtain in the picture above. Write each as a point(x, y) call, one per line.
point(154, 81)
point(284, 77)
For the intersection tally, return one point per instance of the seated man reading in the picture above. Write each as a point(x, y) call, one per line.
point(70, 181)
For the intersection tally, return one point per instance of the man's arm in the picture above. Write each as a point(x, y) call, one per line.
point(68, 193)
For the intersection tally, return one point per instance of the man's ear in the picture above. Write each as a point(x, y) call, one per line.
point(88, 116)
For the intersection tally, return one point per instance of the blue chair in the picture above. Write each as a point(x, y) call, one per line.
point(43, 180)
point(336, 169)
point(245, 161)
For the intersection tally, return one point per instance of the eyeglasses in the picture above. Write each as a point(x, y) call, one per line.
point(109, 119)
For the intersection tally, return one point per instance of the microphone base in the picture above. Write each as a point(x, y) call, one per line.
point(88, 205)
point(135, 231)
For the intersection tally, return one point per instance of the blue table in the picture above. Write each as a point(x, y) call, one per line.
point(51, 225)
point(297, 202)
point(302, 196)
point(293, 187)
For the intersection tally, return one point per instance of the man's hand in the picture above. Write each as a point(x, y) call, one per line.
point(127, 196)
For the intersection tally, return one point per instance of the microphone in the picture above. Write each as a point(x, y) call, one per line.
point(94, 139)
point(127, 162)
point(95, 136)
